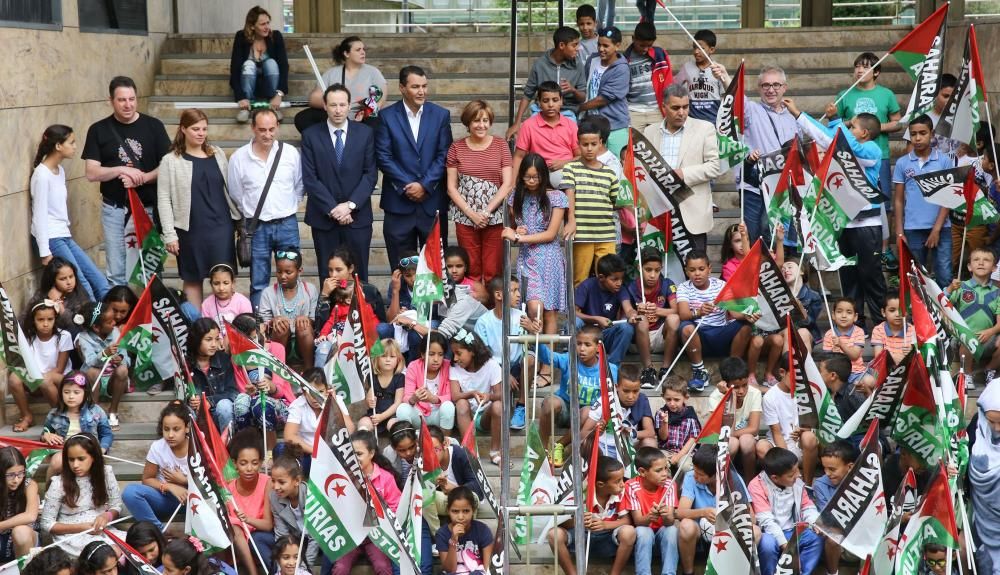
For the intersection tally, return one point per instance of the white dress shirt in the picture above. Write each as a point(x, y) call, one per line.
point(670, 144)
point(333, 132)
point(248, 173)
point(414, 119)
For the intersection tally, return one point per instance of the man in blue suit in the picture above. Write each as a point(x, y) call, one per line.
point(411, 148)
point(338, 174)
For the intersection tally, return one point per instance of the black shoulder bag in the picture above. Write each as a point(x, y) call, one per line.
point(246, 228)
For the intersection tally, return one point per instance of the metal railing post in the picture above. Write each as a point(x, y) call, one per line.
point(505, 384)
point(513, 66)
point(574, 411)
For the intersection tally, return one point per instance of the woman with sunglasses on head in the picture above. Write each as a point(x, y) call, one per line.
point(50, 346)
point(288, 307)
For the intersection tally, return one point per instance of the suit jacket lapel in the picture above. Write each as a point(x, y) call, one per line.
point(332, 153)
point(404, 125)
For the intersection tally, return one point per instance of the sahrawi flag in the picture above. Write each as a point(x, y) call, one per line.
point(136, 340)
point(932, 522)
point(921, 54)
point(656, 233)
point(389, 536)
point(428, 286)
point(534, 458)
point(247, 354)
point(789, 562)
point(884, 557)
point(18, 355)
point(145, 250)
point(133, 558)
point(712, 429)
point(732, 549)
point(349, 369)
point(883, 404)
point(840, 191)
point(956, 189)
point(785, 200)
point(411, 511)
point(207, 518)
point(34, 452)
point(858, 509)
point(757, 286)
point(937, 303)
point(961, 116)
point(739, 295)
point(729, 122)
point(918, 426)
point(368, 321)
point(816, 408)
point(334, 509)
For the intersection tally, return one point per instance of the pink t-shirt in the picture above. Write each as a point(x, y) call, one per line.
point(228, 311)
point(729, 268)
point(415, 379)
point(253, 504)
point(385, 484)
point(550, 142)
point(284, 390)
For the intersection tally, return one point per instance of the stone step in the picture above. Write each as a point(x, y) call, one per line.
point(300, 84)
point(854, 39)
point(443, 72)
point(135, 407)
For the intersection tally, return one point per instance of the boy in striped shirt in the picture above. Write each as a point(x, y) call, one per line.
point(592, 189)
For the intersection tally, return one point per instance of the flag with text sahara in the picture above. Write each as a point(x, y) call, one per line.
point(136, 340)
point(757, 286)
point(18, 355)
point(932, 522)
point(349, 367)
point(144, 247)
point(389, 536)
point(921, 54)
point(732, 548)
point(248, 354)
point(335, 509)
point(917, 426)
point(729, 122)
point(858, 508)
point(207, 518)
point(957, 189)
point(962, 115)
point(883, 404)
point(534, 458)
point(216, 445)
point(411, 511)
point(789, 562)
point(816, 407)
point(739, 295)
point(428, 286)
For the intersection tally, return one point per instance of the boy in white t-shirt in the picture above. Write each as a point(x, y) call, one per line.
point(736, 375)
point(781, 416)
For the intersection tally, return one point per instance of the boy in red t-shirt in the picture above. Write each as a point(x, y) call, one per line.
point(651, 498)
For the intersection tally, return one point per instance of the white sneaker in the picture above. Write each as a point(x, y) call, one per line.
point(243, 116)
point(155, 388)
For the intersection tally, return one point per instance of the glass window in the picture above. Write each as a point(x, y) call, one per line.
point(46, 14)
point(115, 16)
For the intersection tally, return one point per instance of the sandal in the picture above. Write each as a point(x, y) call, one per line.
point(543, 380)
point(113, 421)
point(495, 458)
point(23, 424)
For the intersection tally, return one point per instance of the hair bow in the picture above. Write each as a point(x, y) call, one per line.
point(196, 543)
point(78, 378)
point(464, 336)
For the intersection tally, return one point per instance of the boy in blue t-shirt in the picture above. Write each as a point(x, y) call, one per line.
point(598, 303)
point(588, 371)
point(838, 459)
point(924, 224)
point(696, 508)
point(654, 298)
point(637, 415)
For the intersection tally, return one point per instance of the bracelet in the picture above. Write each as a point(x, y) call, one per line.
point(163, 488)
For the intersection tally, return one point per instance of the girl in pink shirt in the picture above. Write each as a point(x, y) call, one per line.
point(427, 392)
point(456, 260)
point(225, 303)
point(384, 481)
point(252, 506)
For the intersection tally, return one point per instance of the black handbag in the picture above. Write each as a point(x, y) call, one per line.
point(246, 228)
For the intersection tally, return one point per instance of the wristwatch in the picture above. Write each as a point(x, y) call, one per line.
point(351, 205)
point(279, 93)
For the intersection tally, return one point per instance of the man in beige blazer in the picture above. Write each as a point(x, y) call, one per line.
point(690, 147)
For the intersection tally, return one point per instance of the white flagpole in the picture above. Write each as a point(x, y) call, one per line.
point(826, 302)
point(171, 520)
point(856, 82)
point(315, 68)
point(680, 353)
point(638, 251)
point(535, 366)
point(136, 463)
point(961, 254)
point(34, 552)
point(700, 49)
point(302, 542)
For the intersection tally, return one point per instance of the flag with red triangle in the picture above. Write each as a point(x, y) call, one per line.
point(739, 295)
point(917, 426)
point(349, 367)
point(883, 404)
point(595, 454)
point(656, 232)
point(965, 110)
point(858, 508)
point(34, 452)
point(389, 536)
point(136, 340)
point(207, 516)
point(428, 285)
point(217, 447)
point(247, 353)
point(949, 318)
point(785, 199)
point(730, 120)
point(133, 558)
point(789, 562)
point(368, 321)
point(732, 549)
point(710, 432)
point(932, 522)
point(145, 250)
point(884, 558)
point(816, 408)
point(921, 54)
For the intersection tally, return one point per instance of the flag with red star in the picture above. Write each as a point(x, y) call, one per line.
point(883, 559)
point(957, 189)
point(136, 340)
point(732, 549)
point(207, 518)
point(858, 507)
point(932, 522)
point(839, 192)
point(917, 427)
point(349, 367)
point(962, 115)
point(389, 536)
point(411, 511)
point(335, 510)
point(144, 247)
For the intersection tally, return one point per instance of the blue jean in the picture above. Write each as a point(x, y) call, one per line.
point(265, 544)
point(87, 273)
point(942, 255)
point(270, 237)
point(665, 539)
point(605, 13)
point(755, 215)
point(113, 222)
point(148, 504)
point(616, 339)
point(248, 79)
point(810, 548)
point(223, 413)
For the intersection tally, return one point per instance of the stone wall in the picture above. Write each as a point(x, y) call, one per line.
point(61, 76)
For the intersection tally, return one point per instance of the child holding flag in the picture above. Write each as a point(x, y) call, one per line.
point(213, 374)
point(846, 337)
point(637, 415)
point(781, 416)
point(654, 297)
point(427, 392)
point(677, 425)
point(165, 475)
point(599, 302)
point(838, 459)
point(650, 498)
point(696, 507)
point(746, 421)
point(609, 525)
point(976, 299)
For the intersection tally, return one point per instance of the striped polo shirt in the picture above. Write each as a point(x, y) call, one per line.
point(595, 192)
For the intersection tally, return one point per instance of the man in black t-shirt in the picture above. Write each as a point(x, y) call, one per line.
point(123, 151)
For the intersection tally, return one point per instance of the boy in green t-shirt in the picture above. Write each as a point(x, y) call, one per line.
point(978, 301)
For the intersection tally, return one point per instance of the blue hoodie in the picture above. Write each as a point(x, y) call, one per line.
point(613, 87)
point(868, 153)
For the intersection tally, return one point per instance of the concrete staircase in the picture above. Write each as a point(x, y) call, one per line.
point(461, 67)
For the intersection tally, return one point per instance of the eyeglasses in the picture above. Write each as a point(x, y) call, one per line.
point(18, 475)
point(534, 178)
point(410, 261)
point(772, 86)
point(287, 255)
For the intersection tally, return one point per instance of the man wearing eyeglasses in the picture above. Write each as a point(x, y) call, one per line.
point(250, 169)
point(768, 125)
